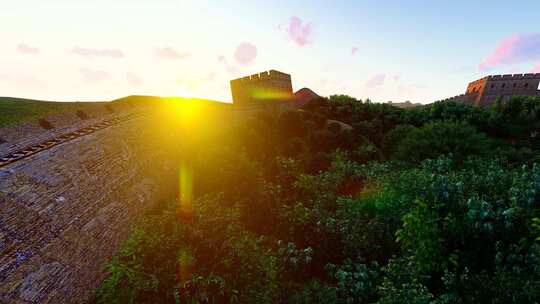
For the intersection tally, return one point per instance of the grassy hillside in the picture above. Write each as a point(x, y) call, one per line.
point(17, 110)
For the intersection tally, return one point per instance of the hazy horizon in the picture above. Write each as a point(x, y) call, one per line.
point(423, 51)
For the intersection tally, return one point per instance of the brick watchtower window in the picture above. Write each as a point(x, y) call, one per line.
point(526, 86)
point(515, 85)
point(492, 86)
point(503, 85)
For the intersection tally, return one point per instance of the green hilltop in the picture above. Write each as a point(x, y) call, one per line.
point(14, 111)
point(18, 110)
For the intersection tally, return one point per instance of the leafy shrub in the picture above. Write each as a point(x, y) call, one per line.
point(435, 139)
point(315, 216)
point(208, 259)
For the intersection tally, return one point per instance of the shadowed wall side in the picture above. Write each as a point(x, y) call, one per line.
point(66, 210)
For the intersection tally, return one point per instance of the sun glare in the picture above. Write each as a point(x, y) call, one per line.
point(184, 91)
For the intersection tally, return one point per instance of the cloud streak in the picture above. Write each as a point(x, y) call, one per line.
point(376, 81)
point(27, 49)
point(97, 53)
point(298, 32)
point(170, 53)
point(93, 76)
point(514, 49)
point(229, 68)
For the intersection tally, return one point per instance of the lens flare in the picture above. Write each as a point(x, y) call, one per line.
point(184, 264)
point(185, 192)
point(270, 94)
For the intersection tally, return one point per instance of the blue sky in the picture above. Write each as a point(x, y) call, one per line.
point(384, 50)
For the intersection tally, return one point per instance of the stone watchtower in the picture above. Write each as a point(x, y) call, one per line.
point(266, 86)
point(485, 91)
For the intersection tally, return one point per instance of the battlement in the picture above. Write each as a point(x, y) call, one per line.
point(265, 85)
point(513, 77)
point(502, 87)
point(255, 78)
point(466, 98)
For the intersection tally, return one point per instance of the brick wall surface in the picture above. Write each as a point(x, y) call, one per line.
point(247, 90)
point(21, 135)
point(485, 91)
point(64, 211)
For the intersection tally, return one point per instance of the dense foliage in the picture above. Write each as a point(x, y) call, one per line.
point(347, 201)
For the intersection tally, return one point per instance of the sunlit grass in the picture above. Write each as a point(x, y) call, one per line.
point(15, 111)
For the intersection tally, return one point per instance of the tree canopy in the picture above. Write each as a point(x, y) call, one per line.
point(435, 204)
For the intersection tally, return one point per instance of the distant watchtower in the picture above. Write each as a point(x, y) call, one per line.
point(485, 91)
point(265, 86)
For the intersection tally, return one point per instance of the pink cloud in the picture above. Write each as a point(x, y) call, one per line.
point(536, 68)
point(376, 81)
point(298, 32)
point(133, 79)
point(245, 53)
point(514, 49)
point(93, 76)
point(354, 50)
point(102, 53)
point(27, 49)
point(170, 53)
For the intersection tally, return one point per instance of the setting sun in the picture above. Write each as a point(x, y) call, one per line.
point(185, 91)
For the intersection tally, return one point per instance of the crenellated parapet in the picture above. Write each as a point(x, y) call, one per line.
point(255, 78)
point(463, 98)
point(266, 85)
point(507, 77)
point(491, 88)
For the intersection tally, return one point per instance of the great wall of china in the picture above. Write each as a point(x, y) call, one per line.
point(66, 206)
point(71, 187)
point(487, 90)
point(274, 84)
point(73, 184)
